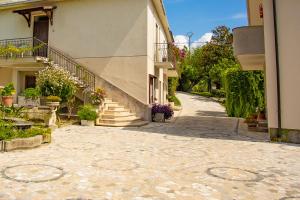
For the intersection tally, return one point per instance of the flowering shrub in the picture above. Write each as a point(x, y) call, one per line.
point(55, 81)
point(98, 96)
point(166, 109)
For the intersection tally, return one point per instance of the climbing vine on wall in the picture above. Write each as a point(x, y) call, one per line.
point(244, 92)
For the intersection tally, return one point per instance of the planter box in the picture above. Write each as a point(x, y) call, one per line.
point(87, 123)
point(28, 102)
point(23, 143)
point(159, 117)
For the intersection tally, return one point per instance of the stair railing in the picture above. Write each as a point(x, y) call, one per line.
point(67, 62)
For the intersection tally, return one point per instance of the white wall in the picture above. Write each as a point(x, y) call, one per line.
point(288, 30)
point(13, 25)
point(108, 36)
point(154, 20)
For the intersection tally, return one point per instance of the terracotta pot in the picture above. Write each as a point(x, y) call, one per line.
point(261, 116)
point(7, 101)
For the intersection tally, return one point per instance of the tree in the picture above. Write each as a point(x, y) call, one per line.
point(216, 73)
point(222, 36)
point(212, 53)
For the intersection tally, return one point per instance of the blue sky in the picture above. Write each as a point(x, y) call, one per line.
point(201, 16)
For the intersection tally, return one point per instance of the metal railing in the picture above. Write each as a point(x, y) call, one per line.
point(16, 48)
point(163, 52)
point(33, 47)
point(68, 63)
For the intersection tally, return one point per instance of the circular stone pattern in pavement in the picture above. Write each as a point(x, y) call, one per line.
point(185, 152)
point(234, 174)
point(78, 145)
point(33, 173)
point(290, 198)
point(116, 165)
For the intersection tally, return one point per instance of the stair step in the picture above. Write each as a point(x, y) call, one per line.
point(117, 108)
point(124, 124)
point(124, 112)
point(117, 116)
point(119, 120)
point(112, 104)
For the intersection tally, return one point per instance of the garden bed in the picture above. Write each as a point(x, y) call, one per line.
point(13, 139)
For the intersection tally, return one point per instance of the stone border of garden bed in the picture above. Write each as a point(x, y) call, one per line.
point(24, 143)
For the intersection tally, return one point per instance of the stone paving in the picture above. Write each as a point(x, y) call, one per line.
point(199, 155)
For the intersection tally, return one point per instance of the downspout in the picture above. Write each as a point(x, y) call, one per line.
point(277, 69)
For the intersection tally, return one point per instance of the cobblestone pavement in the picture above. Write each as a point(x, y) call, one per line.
point(197, 156)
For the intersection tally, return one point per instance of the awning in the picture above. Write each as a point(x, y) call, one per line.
point(27, 13)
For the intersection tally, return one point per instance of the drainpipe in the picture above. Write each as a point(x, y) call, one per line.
point(277, 68)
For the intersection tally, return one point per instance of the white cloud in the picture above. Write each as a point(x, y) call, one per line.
point(202, 40)
point(181, 41)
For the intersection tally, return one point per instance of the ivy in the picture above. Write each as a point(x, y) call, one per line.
point(244, 92)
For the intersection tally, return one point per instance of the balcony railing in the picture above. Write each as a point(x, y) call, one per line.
point(33, 47)
point(163, 53)
point(16, 48)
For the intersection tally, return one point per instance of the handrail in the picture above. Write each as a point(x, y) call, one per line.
point(68, 63)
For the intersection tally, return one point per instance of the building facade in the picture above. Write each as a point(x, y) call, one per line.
point(270, 43)
point(123, 44)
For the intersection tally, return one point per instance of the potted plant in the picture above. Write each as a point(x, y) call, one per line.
point(261, 114)
point(98, 96)
point(87, 115)
point(7, 94)
point(53, 101)
point(30, 97)
point(161, 113)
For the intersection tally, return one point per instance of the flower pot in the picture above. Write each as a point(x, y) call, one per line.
point(52, 104)
point(7, 101)
point(261, 116)
point(159, 117)
point(87, 123)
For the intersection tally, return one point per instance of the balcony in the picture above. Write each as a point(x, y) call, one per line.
point(249, 48)
point(20, 51)
point(164, 56)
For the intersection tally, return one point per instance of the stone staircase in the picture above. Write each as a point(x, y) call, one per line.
point(115, 115)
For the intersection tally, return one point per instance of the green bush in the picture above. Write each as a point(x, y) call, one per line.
point(8, 132)
point(175, 100)
point(218, 93)
point(172, 86)
point(31, 93)
point(200, 87)
point(244, 92)
point(204, 94)
point(87, 112)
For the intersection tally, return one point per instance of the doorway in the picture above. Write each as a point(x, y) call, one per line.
point(41, 32)
point(30, 81)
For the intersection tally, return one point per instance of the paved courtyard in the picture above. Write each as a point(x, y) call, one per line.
point(200, 155)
